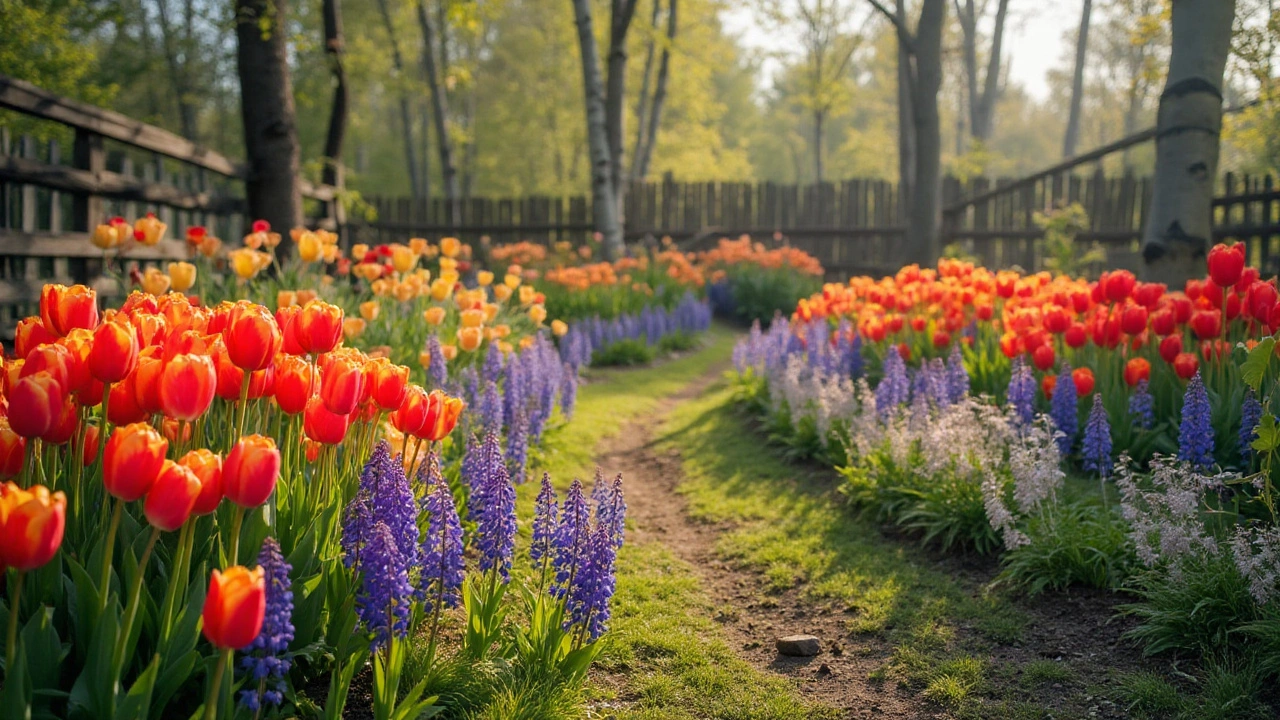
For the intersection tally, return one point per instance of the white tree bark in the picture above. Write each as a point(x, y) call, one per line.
point(603, 201)
point(1179, 225)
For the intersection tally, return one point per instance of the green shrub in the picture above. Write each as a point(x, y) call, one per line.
point(623, 353)
point(678, 342)
point(758, 293)
point(1071, 544)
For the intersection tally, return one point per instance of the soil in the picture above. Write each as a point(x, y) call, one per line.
point(1079, 628)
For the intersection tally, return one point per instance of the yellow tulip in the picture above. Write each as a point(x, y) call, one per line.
point(424, 359)
point(472, 318)
point(404, 292)
point(358, 251)
point(502, 331)
point(512, 280)
point(526, 294)
point(369, 310)
point(526, 342)
point(449, 351)
point(484, 278)
point(433, 315)
point(331, 253)
point(183, 275)
point(306, 296)
point(559, 328)
point(491, 311)
point(353, 328)
point(381, 287)
point(447, 263)
point(310, 249)
point(402, 258)
point(112, 234)
point(247, 262)
point(469, 338)
point(149, 230)
point(505, 347)
point(449, 247)
point(418, 246)
point(449, 276)
point(501, 292)
point(286, 298)
point(155, 282)
point(537, 314)
point(441, 289)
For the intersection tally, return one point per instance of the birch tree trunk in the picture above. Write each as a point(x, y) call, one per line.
point(267, 111)
point(616, 94)
point(333, 47)
point(643, 159)
point(604, 202)
point(906, 116)
point(1188, 125)
point(439, 114)
point(1072, 135)
point(406, 122)
point(642, 103)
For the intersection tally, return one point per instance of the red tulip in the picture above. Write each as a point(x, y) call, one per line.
point(1043, 357)
point(13, 448)
point(56, 360)
point(1047, 385)
point(324, 426)
point(1163, 322)
point(1170, 348)
point(1247, 278)
point(207, 467)
point(295, 383)
point(1075, 336)
point(64, 424)
point(442, 415)
point(29, 335)
point(1226, 264)
point(187, 386)
point(1148, 294)
point(172, 497)
point(1206, 323)
point(1118, 285)
point(1262, 298)
point(250, 472)
point(1133, 321)
point(133, 458)
point(234, 607)
point(251, 336)
point(1186, 365)
point(412, 414)
point(146, 381)
point(64, 309)
point(318, 327)
point(342, 384)
point(389, 383)
point(122, 405)
point(90, 451)
point(1136, 370)
point(1083, 378)
point(35, 404)
point(941, 338)
point(115, 350)
point(1182, 307)
point(31, 525)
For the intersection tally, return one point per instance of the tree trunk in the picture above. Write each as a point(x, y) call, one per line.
point(439, 113)
point(182, 91)
point(906, 116)
point(267, 110)
point(642, 103)
point(981, 123)
point(604, 202)
point(968, 17)
point(333, 47)
point(616, 93)
point(1179, 226)
point(1077, 83)
point(659, 97)
point(922, 244)
point(817, 145)
point(406, 122)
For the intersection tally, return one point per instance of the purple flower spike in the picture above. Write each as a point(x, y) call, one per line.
point(443, 568)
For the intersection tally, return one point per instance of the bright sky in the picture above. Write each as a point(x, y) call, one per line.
point(1035, 37)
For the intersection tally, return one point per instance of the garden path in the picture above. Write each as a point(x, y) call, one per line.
point(751, 615)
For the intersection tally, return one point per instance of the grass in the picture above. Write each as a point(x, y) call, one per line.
point(665, 656)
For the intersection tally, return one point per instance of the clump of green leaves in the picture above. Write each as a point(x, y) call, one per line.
point(1061, 226)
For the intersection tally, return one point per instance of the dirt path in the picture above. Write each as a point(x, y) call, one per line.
point(752, 617)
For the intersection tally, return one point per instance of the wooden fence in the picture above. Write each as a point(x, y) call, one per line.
point(53, 193)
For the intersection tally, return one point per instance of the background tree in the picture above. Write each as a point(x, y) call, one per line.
point(984, 91)
point(1072, 135)
point(602, 192)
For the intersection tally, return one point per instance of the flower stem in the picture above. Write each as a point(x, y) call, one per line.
point(11, 638)
point(135, 598)
point(104, 586)
point(237, 519)
point(211, 703)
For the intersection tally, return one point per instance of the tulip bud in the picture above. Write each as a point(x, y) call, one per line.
point(207, 467)
point(318, 327)
point(250, 472)
point(295, 383)
point(133, 458)
point(31, 525)
point(342, 384)
point(234, 607)
point(172, 496)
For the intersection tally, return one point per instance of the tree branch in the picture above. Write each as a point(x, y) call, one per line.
point(904, 34)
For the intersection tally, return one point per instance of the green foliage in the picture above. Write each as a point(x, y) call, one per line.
point(759, 293)
point(1061, 254)
point(678, 342)
point(623, 352)
point(1078, 543)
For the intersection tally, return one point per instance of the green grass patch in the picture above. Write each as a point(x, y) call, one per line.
point(665, 655)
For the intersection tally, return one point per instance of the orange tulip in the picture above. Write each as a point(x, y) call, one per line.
point(172, 497)
point(324, 426)
point(35, 403)
point(1137, 370)
point(64, 424)
point(286, 316)
point(250, 472)
point(342, 384)
point(295, 383)
point(1083, 378)
point(115, 350)
point(31, 526)
point(146, 381)
point(13, 449)
point(234, 607)
point(207, 467)
point(122, 405)
point(133, 458)
point(57, 360)
point(64, 309)
point(187, 386)
point(469, 338)
point(441, 416)
point(410, 418)
point(318, 327)
point(389, 383)
point(252, 336)
point(29, 334)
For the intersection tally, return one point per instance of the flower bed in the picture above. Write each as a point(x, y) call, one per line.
point(285, 486)
point(1109, 433)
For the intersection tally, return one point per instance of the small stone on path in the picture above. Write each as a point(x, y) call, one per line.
point(799, 646)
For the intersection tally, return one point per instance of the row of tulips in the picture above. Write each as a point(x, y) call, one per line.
point(153, 454)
